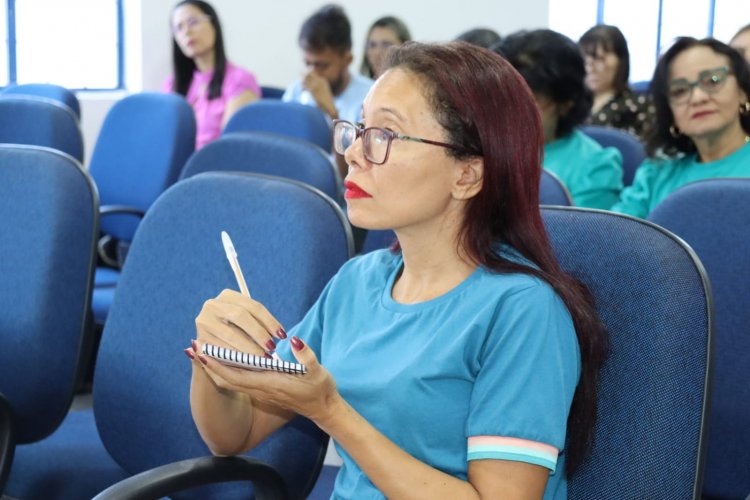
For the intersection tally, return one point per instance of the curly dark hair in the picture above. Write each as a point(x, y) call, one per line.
point(552, 66)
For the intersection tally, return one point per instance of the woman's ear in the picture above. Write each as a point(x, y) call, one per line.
point(469, 179)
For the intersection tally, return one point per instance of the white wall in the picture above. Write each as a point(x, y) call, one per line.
point(262, 36)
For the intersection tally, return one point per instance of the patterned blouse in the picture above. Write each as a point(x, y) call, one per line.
point(627, 111)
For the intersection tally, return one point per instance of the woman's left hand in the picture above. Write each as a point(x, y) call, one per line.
point(312, 395)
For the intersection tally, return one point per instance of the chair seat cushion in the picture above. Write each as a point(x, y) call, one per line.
point(106, 276)
point(53, 468)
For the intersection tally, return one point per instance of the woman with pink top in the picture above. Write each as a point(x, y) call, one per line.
point(213, 86)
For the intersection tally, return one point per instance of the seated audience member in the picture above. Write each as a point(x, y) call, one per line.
point(384, 33)
point(481, 37)
point(553, 67)
point(326, 43)
point(446, 368)
point(607, 71)
point(700, 89)
point(213, 86)
point(741, 42)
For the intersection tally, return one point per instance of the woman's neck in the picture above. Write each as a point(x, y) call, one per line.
point(720, 145)
point(205, 63)
point(601, 99)
point(433, 265)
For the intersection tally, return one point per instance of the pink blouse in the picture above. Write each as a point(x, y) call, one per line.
point(209, 113)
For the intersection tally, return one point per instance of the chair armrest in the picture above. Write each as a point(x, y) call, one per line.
point(7, 441)
point(171, 478)
point(121, 210)
point(104, 242)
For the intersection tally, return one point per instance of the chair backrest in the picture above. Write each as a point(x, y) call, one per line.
point(286, 118)
point(655, 301)
point(49, 221)
point(712, 217)
point(632, 149)
point(271, 154)
point(290, 240)
point(142, 146)
point(552, 191)
point(38, 121)
point(269, 92)
point(48, 90)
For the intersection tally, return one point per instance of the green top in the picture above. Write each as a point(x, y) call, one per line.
point(592, 174)
point(657, 178)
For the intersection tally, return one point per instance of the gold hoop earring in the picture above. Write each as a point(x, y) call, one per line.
point(745, 108)
point(674, 132)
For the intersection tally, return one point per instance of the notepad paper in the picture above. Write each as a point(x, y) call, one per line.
point(248, 361)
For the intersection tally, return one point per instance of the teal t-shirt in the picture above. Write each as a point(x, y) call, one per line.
point(655, 179)
point(592, 174)
point(485, 371)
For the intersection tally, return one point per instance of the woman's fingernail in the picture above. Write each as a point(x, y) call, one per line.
point(189, 353)
point(194, 344)
point(297, 343)
point(270, 345)
point(281, 333)
point(203, 359)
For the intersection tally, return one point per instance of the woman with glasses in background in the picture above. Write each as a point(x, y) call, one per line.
point(214, 87)
point(445, 367)
point(700, 90)
point(384, 33)
point(607, 62)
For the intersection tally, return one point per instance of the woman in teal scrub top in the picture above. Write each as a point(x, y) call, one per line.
point(553, 67)
point(700, 89)
point(464, 364)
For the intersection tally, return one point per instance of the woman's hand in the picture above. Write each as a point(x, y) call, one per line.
point(313, 394)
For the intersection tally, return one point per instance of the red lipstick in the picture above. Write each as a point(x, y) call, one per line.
point(353, 191)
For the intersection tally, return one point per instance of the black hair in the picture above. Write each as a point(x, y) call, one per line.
point(397, 26)
point(327, 28)
point(183, 66)
point(661, 140)
point(482, 37)
point(552, 66)
point(609, 39)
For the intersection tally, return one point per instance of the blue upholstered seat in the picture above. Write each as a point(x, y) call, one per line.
point(49, 221)
point(632, 149)
point(712, 216)
point(50, 91)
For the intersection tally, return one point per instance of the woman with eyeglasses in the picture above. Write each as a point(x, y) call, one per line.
point(552, 66)
point(214, 87)
point(607, 62)
point(384, 33)
point(445, 367)
point(700, 89)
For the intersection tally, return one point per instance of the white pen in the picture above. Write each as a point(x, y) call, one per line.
point(235, 264)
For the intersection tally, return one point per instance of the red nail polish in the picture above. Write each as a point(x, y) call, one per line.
point(203, 359)
point(297, 343)
point(281, 333)
point(194, 344)
point(270, 345)
point(189, 353)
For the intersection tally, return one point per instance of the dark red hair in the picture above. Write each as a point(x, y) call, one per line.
point(486, 107)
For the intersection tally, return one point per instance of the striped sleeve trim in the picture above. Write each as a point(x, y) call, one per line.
point(508, 448)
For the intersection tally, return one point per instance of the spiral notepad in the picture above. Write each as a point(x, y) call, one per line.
point(250, 361)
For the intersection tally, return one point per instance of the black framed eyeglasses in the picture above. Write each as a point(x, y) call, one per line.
point(376, 141)
point(710, 81)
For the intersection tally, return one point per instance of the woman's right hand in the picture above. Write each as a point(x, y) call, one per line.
point(237, 322)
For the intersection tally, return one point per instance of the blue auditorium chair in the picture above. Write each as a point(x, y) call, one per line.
point(290, 240)
point(48, 231)
point(641, 86)
point(632, 149)
point(653, 296)
point(141, 148)
point(271, 154)
point(712, 217)
point(286, 118)
point(271, 92)
point(50, 91)
point(39, 121)
point(552, 191)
